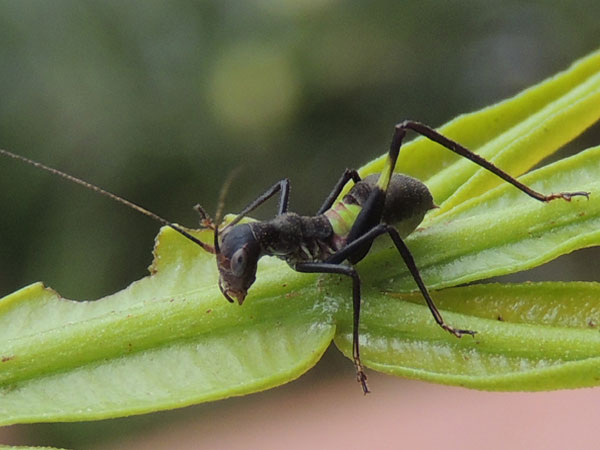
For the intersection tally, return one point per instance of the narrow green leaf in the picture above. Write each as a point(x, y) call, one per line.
point(533, 336)
point(500, 124)
point(164, 342)
point(523, 146)
point(501, 232)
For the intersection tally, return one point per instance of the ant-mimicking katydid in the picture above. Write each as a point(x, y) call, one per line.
point(341, 231)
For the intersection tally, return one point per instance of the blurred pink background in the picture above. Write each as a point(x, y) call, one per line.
point(398, 413)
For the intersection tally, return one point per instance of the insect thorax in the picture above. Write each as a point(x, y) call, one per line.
point(295, 238)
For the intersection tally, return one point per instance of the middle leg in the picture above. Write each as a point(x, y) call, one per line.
point(320, 267)
point(349, 174)
point(408, 259)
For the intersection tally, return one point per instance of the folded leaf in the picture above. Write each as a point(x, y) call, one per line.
point(164, 342)
point(523, 146)
point(499, 124)
point(502, 231)
point(532, 336)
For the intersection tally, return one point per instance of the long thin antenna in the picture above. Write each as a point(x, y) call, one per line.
point(110, 195)
point(224, 190)
point(221, 204)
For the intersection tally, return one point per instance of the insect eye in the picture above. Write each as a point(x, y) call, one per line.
point(238, 262)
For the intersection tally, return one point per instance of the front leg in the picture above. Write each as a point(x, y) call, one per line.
point(282, 186)
point(319, 267)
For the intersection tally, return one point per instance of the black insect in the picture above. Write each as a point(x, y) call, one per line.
point(338, 236)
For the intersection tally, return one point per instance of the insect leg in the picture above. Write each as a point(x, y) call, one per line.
point(347, 251)
point(368, 237)
point(349, 174)
point(430, 133)
point(282, 186)
point(319, 267)
point(412, 267)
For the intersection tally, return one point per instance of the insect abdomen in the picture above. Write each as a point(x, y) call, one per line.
point(406, 202)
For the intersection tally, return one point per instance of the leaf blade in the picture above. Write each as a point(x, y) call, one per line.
point(155, 351)
point(527, 348)
point(523, 146)
point(503, 231)
point(423, 159)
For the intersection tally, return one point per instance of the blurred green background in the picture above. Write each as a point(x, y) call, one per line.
point(159, 101)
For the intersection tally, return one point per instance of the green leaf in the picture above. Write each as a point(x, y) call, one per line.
point(522, 146)
point(530, 336)
point(167, 341)
point(533, 336)
point(515, 133)
point(171, 340)
point(502, 231)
